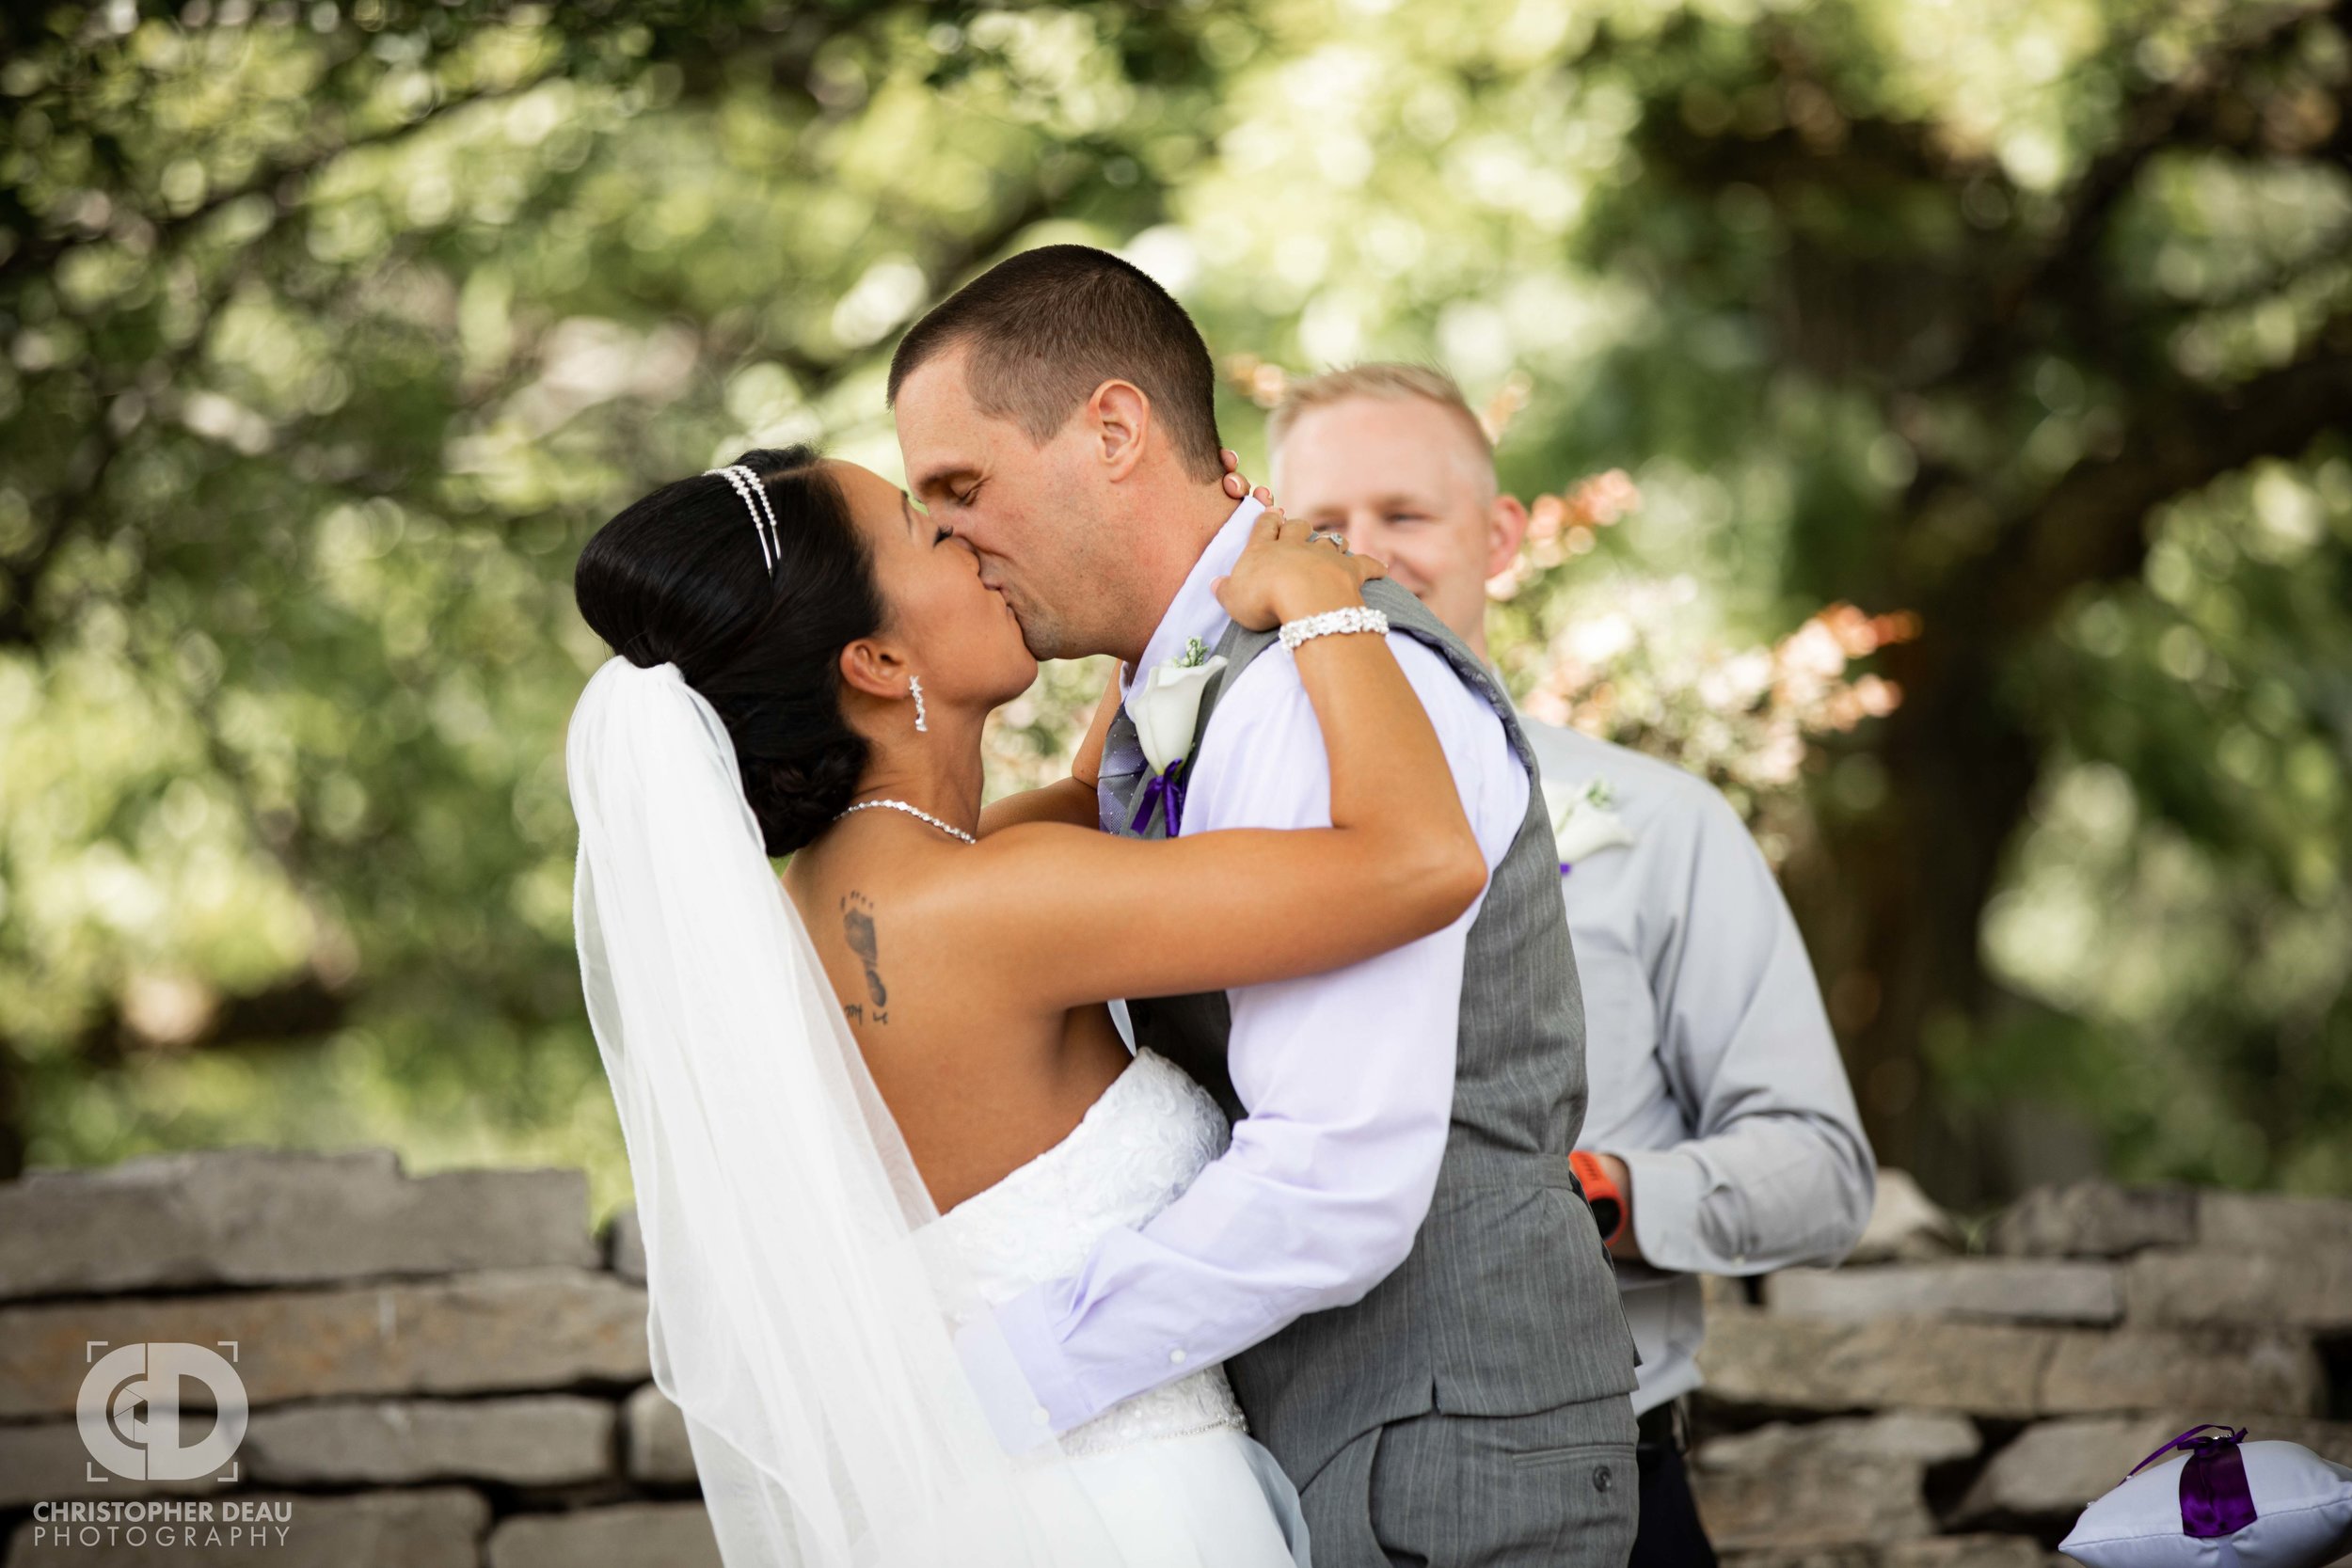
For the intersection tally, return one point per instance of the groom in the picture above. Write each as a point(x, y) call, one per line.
point(1392, 1259)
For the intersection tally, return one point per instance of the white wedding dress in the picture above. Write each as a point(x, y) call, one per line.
point(822, 1328)
point(1173, 1470)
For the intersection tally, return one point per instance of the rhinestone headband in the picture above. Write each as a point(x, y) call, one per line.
point(746, 481)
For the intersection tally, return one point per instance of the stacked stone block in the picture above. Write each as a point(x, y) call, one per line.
point(1921, 1406)
point(445, 1372)
point(451, 1371)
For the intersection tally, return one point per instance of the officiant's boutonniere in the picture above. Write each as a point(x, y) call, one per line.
point(1165, 711)
point(1583, 820)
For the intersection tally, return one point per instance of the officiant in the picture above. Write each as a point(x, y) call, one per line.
point(1721, 1135)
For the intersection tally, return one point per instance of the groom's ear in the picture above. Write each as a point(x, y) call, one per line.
point(874, 667)
point(1119, 421)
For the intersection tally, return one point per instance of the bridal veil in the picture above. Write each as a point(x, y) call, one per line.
point(796, 1315)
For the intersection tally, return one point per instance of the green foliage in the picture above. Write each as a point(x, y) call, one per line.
point(332, 330)
point(2182, 896)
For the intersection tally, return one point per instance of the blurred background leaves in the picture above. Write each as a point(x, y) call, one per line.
point(2021, 333)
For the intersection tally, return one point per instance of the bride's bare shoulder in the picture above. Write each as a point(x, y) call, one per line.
point(928, 905)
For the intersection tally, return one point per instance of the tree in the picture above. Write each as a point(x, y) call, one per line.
point(334, 328)
point(1951, 313)
point(2054, 353)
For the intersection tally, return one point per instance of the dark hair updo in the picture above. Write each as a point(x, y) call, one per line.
point(679, 578)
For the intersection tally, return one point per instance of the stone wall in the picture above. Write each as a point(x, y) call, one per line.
point(444, 1370)
point(452, 1371)
point(1922, 1407)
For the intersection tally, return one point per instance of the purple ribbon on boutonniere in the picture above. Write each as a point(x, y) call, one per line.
point(1167, 787)
point(2214, 1496)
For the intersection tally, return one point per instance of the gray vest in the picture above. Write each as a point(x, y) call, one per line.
point(1508, 1302)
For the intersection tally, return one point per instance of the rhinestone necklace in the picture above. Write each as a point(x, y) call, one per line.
point(949, 829)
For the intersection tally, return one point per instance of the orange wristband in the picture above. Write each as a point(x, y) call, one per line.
point(1608, 1204)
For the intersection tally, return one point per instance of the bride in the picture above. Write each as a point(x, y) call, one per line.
point(859, 1114)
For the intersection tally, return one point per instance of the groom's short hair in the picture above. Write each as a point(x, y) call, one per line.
point(1046, 327)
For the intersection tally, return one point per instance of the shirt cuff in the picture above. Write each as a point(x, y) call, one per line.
point(1664, 1189)
point(1016, 1415)
point(1054, 1402)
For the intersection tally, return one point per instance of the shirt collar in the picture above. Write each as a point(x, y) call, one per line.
point(1194, 611)
point(1503, 686)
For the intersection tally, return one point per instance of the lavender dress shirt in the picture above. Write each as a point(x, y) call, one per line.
point(1347, 1077)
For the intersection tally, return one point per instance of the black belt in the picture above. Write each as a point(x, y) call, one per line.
point(1667, 1426)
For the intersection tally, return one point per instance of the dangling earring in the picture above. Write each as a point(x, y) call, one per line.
point(914, 683)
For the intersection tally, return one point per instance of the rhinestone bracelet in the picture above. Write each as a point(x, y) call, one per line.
point(1354, 618)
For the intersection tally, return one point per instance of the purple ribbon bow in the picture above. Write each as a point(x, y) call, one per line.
point(2214, 1496)
point(1167, 787)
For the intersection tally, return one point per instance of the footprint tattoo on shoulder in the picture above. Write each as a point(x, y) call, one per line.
point(857, 929)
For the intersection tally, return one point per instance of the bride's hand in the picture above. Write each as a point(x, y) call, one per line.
point(1086, 766)
point(1237, 485)
point(1286, 572)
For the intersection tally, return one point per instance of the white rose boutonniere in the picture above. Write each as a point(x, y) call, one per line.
point(1165, 709)
point(1583, 821)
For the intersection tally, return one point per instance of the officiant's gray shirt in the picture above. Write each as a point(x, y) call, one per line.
point(1714, 1074)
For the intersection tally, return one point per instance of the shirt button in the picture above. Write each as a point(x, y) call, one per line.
point(1042, 1416)
point(1176, 1356)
